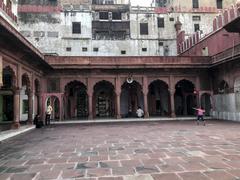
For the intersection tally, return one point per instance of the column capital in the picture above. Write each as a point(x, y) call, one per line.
point(118, 93)
point(145, 91)
point(90, 92)
point(16, 90)
point(171, 91)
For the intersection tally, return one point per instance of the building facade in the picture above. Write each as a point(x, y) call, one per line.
point(113, 28)
point(103, 59)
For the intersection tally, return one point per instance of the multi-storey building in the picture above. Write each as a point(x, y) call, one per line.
point(102, 59)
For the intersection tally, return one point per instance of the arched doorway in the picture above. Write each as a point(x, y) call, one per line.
point(206, 103)
point(24, 97)
point(237, 85)
point(223, 87)
point(184, 98)
point(131, 98)
point(104, 100)
point(55, 103)
point(6, 95)
point(77, 100)
point(158, 99)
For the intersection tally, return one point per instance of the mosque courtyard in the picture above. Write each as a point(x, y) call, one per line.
point(168, 150)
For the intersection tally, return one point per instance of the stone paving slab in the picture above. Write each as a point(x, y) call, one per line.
point(178, 150)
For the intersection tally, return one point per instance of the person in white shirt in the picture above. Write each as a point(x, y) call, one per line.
point(139, 112)
point(48, 114)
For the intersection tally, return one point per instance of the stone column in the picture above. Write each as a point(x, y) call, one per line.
point(118, 97)
point(118, 106)
point(90, 98)
point(60, 97)
point(173, 115)
point(16, 106)
point(197, 89)
point(30, 107)
point(146, 114)
point(90, 107)
point(172, 100)
point(145, 96)
point(40, 99)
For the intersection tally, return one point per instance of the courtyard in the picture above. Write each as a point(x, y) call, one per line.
point(125, 151)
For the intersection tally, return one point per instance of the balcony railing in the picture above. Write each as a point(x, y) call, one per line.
point(8, 11)
point(229, 54)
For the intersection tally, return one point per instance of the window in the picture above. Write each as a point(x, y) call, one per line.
point(219, 4)
point(9, 4)
point(76, 28)
point(144, 49)
point(196, 18)
point(195, 3)
point(84, 49)
point(123, 52)
point(109, 2)
point(161, 3)
point(160, 22)
point(103, 15)
point(166, 51)
point(95, 49)
point(116, 15)
point(196, 27)
point(97, 1)
point(171, 19)
point(144, 28)
point(68, 49)
point(160, 43)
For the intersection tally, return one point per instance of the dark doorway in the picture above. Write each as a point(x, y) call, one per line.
point(158, 99)
point(104, 97)
point(131, 98)
point(184, 98)
point(77, 100)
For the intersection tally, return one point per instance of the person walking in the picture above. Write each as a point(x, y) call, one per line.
point(200, 113)
point(48, 115)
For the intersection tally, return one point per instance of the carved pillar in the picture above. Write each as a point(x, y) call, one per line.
point(90, 107)
point(16, 106)
point(172, 103)
point(145, 96)
point(118, 105)
point(197, 91)
point(118, 100)
point(90, 98)
point(40, 103)
point(60, 97)
point(172, 100)
point(30, 107)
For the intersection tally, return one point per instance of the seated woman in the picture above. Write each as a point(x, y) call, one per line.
point(140, 112)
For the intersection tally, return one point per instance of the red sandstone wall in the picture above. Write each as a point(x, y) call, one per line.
point(217, 42)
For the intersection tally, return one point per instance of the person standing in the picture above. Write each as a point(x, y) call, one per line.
point(48, 115)
point(200, 113)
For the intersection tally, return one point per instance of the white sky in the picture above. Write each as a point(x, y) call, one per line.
point(141, 2)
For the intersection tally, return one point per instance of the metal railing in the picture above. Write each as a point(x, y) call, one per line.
point(228, 54)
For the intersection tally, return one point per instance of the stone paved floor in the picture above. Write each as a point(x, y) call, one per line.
point(130, 151)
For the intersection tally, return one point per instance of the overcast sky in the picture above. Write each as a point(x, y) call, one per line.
point(141, 2)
